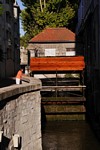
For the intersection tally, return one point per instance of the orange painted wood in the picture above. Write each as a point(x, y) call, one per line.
point(57, 63)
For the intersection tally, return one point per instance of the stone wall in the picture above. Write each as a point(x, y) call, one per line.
point(20, 113)
point(59, 47)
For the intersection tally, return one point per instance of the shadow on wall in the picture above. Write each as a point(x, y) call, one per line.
point(43, 117)
point(8, 143)
point(4, 144)
point(7, 82)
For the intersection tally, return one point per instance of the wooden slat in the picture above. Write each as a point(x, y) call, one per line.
point(57, 63)
point(63, 88)
point(72, 58)
point(64, 99)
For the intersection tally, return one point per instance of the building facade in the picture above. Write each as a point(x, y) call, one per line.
point(53, 42)
point(88, 39)
point(9, 38)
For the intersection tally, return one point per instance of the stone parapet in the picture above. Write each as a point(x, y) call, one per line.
point(30, 84)
point(20, 113)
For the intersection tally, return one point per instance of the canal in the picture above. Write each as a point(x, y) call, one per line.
point(69, 135)
point(64, 126)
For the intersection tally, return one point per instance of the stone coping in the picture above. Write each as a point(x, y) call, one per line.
point(28, 84)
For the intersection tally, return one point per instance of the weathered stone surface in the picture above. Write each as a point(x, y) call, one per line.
point(34, 84)
point(20, 113)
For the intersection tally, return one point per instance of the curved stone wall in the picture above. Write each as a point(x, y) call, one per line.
point(20, 114)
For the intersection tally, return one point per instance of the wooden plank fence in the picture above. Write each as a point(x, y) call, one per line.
point(73, 63)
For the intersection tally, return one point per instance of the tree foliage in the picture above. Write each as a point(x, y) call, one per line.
point(39, 14)
point(24, 40)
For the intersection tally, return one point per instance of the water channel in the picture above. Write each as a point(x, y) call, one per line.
point(66, 134)
point(69, 135)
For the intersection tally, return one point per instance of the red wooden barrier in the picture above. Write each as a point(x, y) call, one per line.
point(74, 63)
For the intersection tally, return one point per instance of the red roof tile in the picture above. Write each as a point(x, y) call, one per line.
point(54, 35)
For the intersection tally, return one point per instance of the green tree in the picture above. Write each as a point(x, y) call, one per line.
point(24, 40)
point(39, 14)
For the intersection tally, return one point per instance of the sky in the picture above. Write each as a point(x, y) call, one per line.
point(21, 7)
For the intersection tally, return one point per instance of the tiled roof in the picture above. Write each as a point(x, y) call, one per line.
point(54, 35)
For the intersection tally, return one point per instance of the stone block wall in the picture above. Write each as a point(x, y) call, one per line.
point(20, 113)
point(60, 48)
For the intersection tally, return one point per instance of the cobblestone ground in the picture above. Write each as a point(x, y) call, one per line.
point(69, 135)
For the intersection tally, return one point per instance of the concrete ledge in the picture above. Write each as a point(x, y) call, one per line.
point(12, 90)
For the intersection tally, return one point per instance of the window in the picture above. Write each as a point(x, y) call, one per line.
point(9, 53)
point(70, 52)
point(1, 54)
point(50, 52)
point(8, 18)
point(8, 37)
